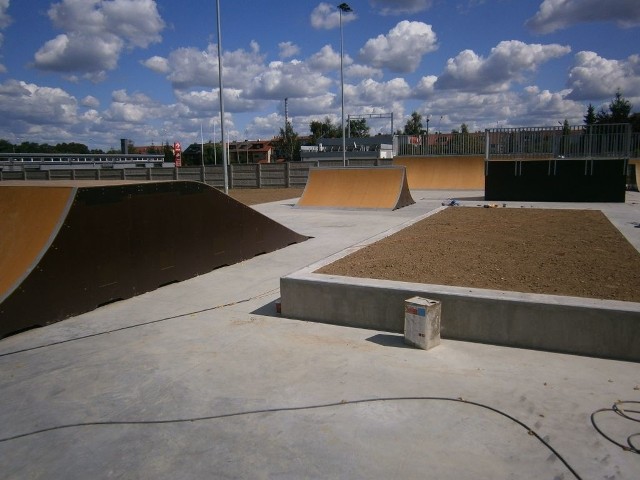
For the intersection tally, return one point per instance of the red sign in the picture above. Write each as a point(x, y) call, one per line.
point(177, 153)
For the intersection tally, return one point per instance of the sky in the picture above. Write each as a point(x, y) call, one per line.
point(96, 71)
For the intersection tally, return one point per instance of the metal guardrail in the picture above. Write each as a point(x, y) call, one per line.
point(440, 144)
point(597, 141)
point(75, 158)
point(591, 142)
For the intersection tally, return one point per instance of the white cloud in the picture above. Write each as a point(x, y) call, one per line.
point(5, 19)
point(559, 14)
point(425, 87)
point(327, 60)
point(132, 108)
point(593, 77)
point(507, 63)
point(402, 49)
point(189, 67)
point(72, 52)
point(398, 7)
point(288, 49)
point(27, 102)
point(90, 101)
point(531, 107)
point(326, 16)
point(157, 64)
point(96, 32)
point(293, 79)
point(370, 92)
point(362, 71)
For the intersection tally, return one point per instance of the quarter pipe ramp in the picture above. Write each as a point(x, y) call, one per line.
point(444, 172)
point(359, 188)
point(68, 247)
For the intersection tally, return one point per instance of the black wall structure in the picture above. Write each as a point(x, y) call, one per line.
point(557, 180)
point(561, 164)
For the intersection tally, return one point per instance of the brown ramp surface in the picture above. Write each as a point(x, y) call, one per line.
point(359, 187)
point(444, 172)
point(68, 248)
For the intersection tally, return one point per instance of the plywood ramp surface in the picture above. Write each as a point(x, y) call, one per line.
point(29, 220)
point(444, 172)
point(366, 188)
point(67, 250)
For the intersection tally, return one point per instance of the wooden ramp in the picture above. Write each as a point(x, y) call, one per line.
point(68, 247)
point(444, 172)
point(383, 188)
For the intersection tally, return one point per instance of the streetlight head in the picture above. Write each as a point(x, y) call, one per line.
point(345, 7)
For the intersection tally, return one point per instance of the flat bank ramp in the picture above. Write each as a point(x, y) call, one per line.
point(444, 172)
point(69, 248)
point(358, 188)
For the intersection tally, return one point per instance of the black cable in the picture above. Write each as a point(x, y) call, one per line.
point(151, 322)
point(308, 407)
point(618, 409)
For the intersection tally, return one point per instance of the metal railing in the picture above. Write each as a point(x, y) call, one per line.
point(595, 141)
point(74, 158)
point(440, 144)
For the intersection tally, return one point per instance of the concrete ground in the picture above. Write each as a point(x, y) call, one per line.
point(202, 379)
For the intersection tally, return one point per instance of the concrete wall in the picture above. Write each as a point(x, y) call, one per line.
point(599, 328)
point(252, 175)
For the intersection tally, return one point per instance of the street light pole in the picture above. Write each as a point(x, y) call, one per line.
point(343, 7)
point(224, 151)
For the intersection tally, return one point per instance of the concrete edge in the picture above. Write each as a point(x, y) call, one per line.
point(575, 325)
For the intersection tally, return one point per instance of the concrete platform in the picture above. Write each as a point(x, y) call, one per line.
point(203, 379)
point(582, 326)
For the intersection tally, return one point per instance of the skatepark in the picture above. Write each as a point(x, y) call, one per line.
point(204, 378)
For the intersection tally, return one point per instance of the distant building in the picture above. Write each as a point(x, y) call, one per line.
point(251, 151)
point(361, 148)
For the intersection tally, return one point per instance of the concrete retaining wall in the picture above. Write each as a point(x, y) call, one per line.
point(600, 328)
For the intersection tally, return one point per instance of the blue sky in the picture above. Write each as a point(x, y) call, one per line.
point(95, 71)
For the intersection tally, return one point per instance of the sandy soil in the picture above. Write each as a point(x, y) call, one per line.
point(560, 252)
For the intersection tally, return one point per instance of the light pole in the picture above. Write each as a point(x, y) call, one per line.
point(224, 151)
point(343, 7)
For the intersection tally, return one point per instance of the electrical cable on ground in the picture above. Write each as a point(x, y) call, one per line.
point(529, 430)
point(619, 409)
point(151, 322)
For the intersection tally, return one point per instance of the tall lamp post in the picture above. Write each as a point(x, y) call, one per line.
point(343, 7)
point(224, 150)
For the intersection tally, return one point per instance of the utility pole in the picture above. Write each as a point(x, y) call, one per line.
point(343, 7)
point(224, 151)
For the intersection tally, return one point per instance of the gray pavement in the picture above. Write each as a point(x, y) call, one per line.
point(202, 379)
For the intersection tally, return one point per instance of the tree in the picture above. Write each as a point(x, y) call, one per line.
point(619, 110)
point(168, 153)
point(590, 117)
point(6, 146)
point(324, 129)
point(359, 128)
point(413, 125)
point(288, 144)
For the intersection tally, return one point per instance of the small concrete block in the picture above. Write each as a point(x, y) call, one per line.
point(422, 322)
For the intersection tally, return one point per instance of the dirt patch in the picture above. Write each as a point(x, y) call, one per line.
point(254, 196)
point(560, 252)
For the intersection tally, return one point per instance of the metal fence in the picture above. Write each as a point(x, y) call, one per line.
point(440, 144)
point(595, 141)
point(261, 175)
